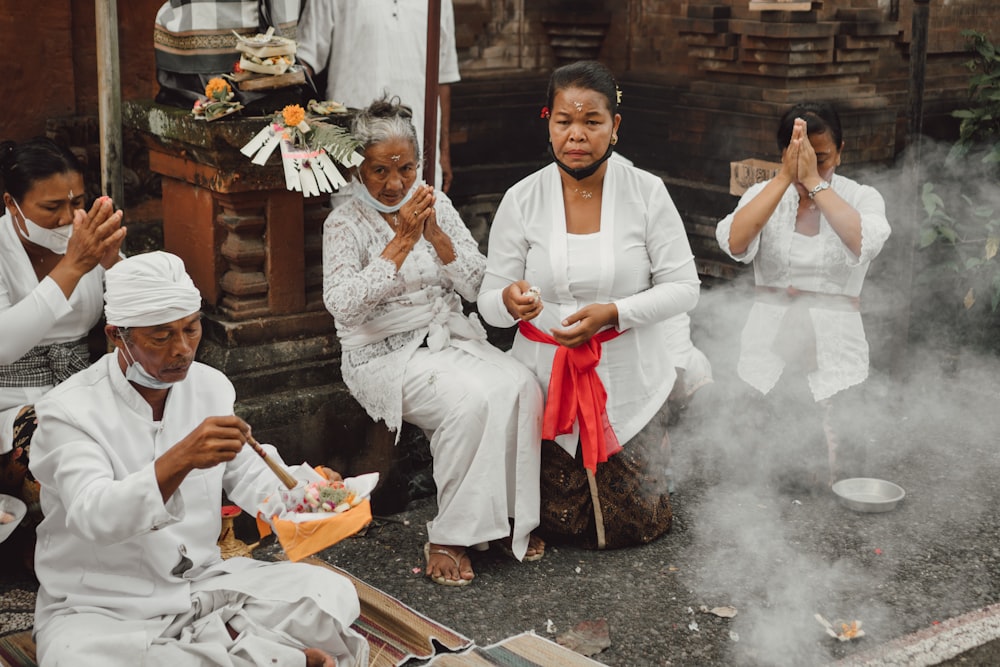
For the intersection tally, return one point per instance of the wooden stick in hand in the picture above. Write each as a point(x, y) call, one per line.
point(285, 477)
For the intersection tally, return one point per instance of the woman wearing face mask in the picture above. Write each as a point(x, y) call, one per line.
point(53, 254)
point(397, 260)
point(811, 235)
point(606, 248)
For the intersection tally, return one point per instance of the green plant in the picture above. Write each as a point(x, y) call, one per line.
point(980, 123)
point(959, 276)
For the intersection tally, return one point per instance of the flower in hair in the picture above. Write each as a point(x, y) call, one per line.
point(618, 95)
point(545, 113)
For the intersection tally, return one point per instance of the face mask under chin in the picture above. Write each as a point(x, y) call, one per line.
point(583, 172)
point(362, 193)
point(135, 372)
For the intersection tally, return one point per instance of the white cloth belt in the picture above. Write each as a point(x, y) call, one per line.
point(441, 315)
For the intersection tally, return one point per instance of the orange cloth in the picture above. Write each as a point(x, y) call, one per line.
point(301, 540)
point(576, 391)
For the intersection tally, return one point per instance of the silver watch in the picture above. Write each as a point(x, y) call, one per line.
point(823, 185)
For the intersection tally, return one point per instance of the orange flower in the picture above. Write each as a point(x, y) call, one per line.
point(849, 631)
point(218, 89)
point(293, 115)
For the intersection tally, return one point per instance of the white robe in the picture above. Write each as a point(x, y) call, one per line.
point(374, 47)
point(646, 269)
point(34, 312)
point(481, 409)
point(110, 551)
point(841, 346)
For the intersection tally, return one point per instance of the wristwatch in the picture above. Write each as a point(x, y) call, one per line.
point(823, 185)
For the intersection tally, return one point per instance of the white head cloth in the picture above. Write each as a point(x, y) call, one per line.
point(148, 290)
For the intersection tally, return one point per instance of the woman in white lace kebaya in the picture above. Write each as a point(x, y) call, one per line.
point(396, 261)
point(811, 235)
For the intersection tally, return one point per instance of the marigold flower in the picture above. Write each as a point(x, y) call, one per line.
point(218, 89)
point(293, 115)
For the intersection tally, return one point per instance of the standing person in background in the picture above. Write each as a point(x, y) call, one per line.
point(607, 251)
point(811, 235)
point(379, 47)
point(53, 254)
point(193, 42)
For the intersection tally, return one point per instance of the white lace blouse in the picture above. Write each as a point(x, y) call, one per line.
point(841, 346)
point(362, 290)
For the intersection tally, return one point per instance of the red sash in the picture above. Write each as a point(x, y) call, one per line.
point(576, 391)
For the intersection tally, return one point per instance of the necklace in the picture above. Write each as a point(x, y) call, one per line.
point(586, 194)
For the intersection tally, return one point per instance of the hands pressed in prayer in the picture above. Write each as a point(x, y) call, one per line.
point(97, 235)
point(791, 157)
point(584, 323)
point(411, 220)
point(436, 236)
point(806, 164)
point(521, 302)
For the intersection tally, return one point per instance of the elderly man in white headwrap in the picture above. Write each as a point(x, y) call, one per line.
point(133, 455)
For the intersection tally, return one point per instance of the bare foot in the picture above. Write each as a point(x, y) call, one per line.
point(448, 564)
point(318, 658)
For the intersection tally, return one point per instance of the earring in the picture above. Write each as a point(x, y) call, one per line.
point(614, 139)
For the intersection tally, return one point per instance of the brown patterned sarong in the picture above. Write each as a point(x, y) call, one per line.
point(632, 491)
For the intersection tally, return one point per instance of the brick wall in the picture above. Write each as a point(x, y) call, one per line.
point(56, 65)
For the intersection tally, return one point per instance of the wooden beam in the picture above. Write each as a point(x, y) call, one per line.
point(109, 98)
point(431, 90)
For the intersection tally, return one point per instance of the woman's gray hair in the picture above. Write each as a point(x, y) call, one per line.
point(385, 119)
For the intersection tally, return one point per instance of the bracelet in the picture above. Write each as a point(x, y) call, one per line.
point(823, 185)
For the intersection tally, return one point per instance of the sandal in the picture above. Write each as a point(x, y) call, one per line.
point(444, 581)
point(534, 542)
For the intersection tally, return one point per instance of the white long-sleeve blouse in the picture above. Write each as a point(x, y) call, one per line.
point(644, 266)
point(36, 312)
point(782, 258)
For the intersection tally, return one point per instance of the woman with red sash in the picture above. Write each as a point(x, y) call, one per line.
point(589, 257)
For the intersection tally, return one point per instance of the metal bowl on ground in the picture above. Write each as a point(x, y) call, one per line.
point(867, 494)
point(13, 509)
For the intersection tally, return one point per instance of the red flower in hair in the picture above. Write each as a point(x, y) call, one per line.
point(545, 113)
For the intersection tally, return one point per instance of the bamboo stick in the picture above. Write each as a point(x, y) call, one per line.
point(279, 470)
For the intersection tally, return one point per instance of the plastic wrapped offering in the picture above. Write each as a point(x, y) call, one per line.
point(317, 513)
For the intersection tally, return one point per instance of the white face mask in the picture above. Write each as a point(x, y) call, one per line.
point(361, 192)
point(135, 372)
point(56, 240)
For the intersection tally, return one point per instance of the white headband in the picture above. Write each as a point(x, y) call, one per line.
point(148, 290)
